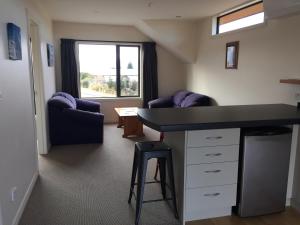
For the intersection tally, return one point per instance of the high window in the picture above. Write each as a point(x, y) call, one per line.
point(109, 70)
point(241, 17)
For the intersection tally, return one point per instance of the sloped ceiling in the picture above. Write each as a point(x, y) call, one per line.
point(171, 23)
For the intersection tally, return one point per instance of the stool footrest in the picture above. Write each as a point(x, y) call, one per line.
point(157, 200)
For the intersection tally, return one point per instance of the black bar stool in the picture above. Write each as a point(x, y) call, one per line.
point(143, 152)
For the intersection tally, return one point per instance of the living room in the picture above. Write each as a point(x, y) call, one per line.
point(90, 183)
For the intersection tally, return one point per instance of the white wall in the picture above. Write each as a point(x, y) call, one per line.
point(18, 156)
point(171, 70)
point(44, 23)
point(267, 53)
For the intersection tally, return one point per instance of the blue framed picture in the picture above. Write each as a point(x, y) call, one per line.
point(50, 54)
point(14, 42)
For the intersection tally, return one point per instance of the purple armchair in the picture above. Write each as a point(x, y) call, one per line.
point(74, 121)
point(181, 99)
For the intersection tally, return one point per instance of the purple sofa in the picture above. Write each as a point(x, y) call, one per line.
point(181, 99)
point(74, 121)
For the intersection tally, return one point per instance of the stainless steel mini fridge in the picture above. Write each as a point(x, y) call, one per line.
point(264, 171)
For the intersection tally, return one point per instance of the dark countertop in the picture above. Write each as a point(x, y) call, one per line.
point(218, 117)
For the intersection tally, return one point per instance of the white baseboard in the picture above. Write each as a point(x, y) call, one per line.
point(25, 199)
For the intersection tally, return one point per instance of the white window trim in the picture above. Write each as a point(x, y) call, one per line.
point(214, 20)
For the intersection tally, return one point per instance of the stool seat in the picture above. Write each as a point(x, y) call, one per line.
point(143, 152)
point(150, 146)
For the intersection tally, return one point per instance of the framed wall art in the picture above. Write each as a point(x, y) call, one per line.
point(50, 55)
point(14, 42)
point(232, 54)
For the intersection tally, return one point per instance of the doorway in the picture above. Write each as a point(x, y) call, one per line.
point(37, 87)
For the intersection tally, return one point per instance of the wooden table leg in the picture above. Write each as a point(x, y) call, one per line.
point(120, 122)
point(132, 126)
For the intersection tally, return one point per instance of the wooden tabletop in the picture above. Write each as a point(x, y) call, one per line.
point(127, 111)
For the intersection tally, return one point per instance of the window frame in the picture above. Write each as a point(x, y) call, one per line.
point(217, 31)
point(118, 67)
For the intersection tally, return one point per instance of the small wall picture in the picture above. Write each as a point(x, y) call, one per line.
point(232, 53)
point(14, 41)
point(50, 54)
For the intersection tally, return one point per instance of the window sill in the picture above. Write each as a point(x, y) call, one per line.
point(114, 99)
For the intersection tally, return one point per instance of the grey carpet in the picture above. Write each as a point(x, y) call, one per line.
point(89, 185)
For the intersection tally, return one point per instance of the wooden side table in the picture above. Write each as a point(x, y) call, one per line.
point(129, 120)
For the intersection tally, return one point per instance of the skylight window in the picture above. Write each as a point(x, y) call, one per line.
point(246, 16)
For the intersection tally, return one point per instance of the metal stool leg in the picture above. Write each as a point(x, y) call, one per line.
point(172, 184)
point(162, 172)
point(143, 161)
point(133, 175)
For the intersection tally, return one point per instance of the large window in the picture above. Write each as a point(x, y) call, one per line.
point(241, 17)
point(109, 70)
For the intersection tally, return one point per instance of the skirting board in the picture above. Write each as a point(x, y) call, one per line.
point(25, 199)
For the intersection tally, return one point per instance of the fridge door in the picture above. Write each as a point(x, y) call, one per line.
point(263, 182)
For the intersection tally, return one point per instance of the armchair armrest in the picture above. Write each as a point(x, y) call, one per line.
point(86, 105)
point(84, 117)
point(164, 102)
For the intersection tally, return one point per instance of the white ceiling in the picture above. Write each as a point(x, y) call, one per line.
point(129, 12)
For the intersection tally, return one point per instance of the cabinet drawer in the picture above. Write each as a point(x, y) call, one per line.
point(204, 175)
point(200, 138)
point(212, 154)
point(211, 197)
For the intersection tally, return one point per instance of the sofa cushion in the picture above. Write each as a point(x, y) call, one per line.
point(61, 102)
point(67, 96)
point(195, 99)
point(179, 97)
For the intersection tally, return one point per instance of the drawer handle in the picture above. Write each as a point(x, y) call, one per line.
point(214, 138)
point(213, 154)
point(212, 171)
point(212, 195)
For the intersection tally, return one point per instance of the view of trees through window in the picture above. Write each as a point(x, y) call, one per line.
point(108, 70)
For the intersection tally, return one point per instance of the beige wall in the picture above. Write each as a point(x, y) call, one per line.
point(171, 70)
point(18, 156)
point(267, 53)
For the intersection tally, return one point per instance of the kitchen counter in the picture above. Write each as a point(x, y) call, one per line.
point(218, 117)
point(206, 150)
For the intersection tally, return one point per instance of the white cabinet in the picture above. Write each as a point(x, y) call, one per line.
point(204, 175)
point(212, 154)
point(211, 167)
point(202, 138)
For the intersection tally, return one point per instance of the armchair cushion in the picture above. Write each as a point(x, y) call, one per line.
point(195, 100)
point(161, 102)
point(179, 97)
point(66, 96)
point(86, 105)
point(61, 103)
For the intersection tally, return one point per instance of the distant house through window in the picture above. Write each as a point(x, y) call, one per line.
point(109, 70)
point(245, 16)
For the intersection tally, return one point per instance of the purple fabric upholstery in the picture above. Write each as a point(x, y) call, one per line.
point(179, 96)
point(195, 100)
point(181, 99)
point(161, 102)
point(74, 121)
point(67, 96)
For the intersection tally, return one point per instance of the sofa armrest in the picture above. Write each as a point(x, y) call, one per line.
point(86, 105)
point(164, 102)
point(84, 117)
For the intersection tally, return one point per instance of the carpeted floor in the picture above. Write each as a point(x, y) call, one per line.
point(89, 185)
